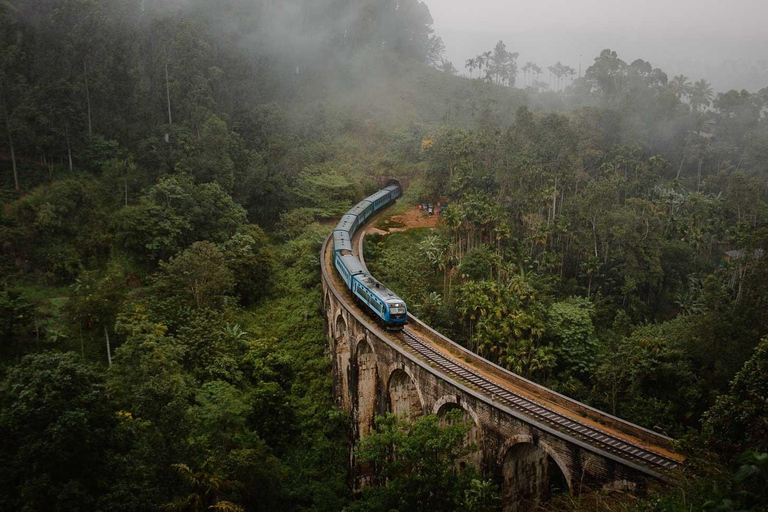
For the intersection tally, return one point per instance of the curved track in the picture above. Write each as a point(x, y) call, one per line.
point(541, 413)
point(521, 402)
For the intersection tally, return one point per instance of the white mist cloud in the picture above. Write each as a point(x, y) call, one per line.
point(723, 41)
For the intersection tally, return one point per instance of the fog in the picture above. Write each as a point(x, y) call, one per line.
point(724, 42)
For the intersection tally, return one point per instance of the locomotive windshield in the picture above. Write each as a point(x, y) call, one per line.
point(397, 308)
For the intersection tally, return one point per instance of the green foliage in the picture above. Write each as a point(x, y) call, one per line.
point(478, 263)
point(398, 265)
point(739, 419)
point(569, 324)
point(417, 464)
point(210, 160)
point(507, 324)
point(93, 305)
point(16, 322)
point(252, 262)
point(142, 145)
point(58, 425)
point(54, 241)
point(197, 278)
point(213, 346)
point(174, 214)
point(649, 378)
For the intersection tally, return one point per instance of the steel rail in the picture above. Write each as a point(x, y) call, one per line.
point(613, 444)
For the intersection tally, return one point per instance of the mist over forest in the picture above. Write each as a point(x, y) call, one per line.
point(724, 43)
point(170, 169)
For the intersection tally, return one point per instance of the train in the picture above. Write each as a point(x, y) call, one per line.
point(389, 309)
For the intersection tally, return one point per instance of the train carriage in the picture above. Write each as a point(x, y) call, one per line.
point(394, 190)
point(383, 302)
point(348, 223)
point(380, 199)
point(349, 267)
point(362, 210)
point(342, 241)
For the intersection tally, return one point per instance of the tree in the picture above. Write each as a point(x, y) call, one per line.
point(16, 322)
point(607, 74)
point(94, 305)
point(447, 66)
point(15, 94)
point(205, 489)
point(739, 419)
point(55, 238)
point(471, 64)
point(681, 87)
point(569, 324)
point(701, 95)
point(418, 464)
point(503, 64)
point(147, 380)
point(649, 379)
point(172, 215)
point(210, 160)
point(251, 260)
point(197, 278)
point(58, 425)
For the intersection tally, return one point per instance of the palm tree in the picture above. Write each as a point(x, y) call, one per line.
point(204, 490)
point(570, 72)
point(486, 56)
point(681, 86)
point(471, 64)
point(526, 68)
point(536, 69)
point(701, 94)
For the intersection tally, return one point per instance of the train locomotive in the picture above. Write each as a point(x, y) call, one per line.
point(385, 305)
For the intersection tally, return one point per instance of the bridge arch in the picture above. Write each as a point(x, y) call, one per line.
point(531, 471)
point(339, 326)
point(452, 402)
point(405, 398)
point(367, 386)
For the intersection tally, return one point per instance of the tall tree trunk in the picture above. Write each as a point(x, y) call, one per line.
point(168, 89)
point(680, 169)
point(554, 201)
point(69, 153)
point(47, 164)
point(13, 159)
point(88, 98)
point(698, 182)
point(109, 352)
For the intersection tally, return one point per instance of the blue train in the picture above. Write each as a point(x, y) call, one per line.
point(387, 307)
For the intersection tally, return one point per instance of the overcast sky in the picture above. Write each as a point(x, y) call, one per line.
point(724, 41)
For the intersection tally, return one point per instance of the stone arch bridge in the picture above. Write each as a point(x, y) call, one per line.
point(530, 440)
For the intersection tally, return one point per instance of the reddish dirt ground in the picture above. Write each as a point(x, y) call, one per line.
point(412, 218)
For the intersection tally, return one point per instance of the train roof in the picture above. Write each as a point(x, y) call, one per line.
point(359, 207)
point(346, 222)
point(378, 195)
point(341, 241)
point(379, 289)
point(353, 265)
point(392, 187)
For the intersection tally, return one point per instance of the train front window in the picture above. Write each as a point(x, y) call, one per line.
point(397, 309)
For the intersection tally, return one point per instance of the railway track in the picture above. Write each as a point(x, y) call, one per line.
point(543, 414)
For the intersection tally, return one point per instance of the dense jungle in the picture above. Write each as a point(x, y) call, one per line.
point(170, 169)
